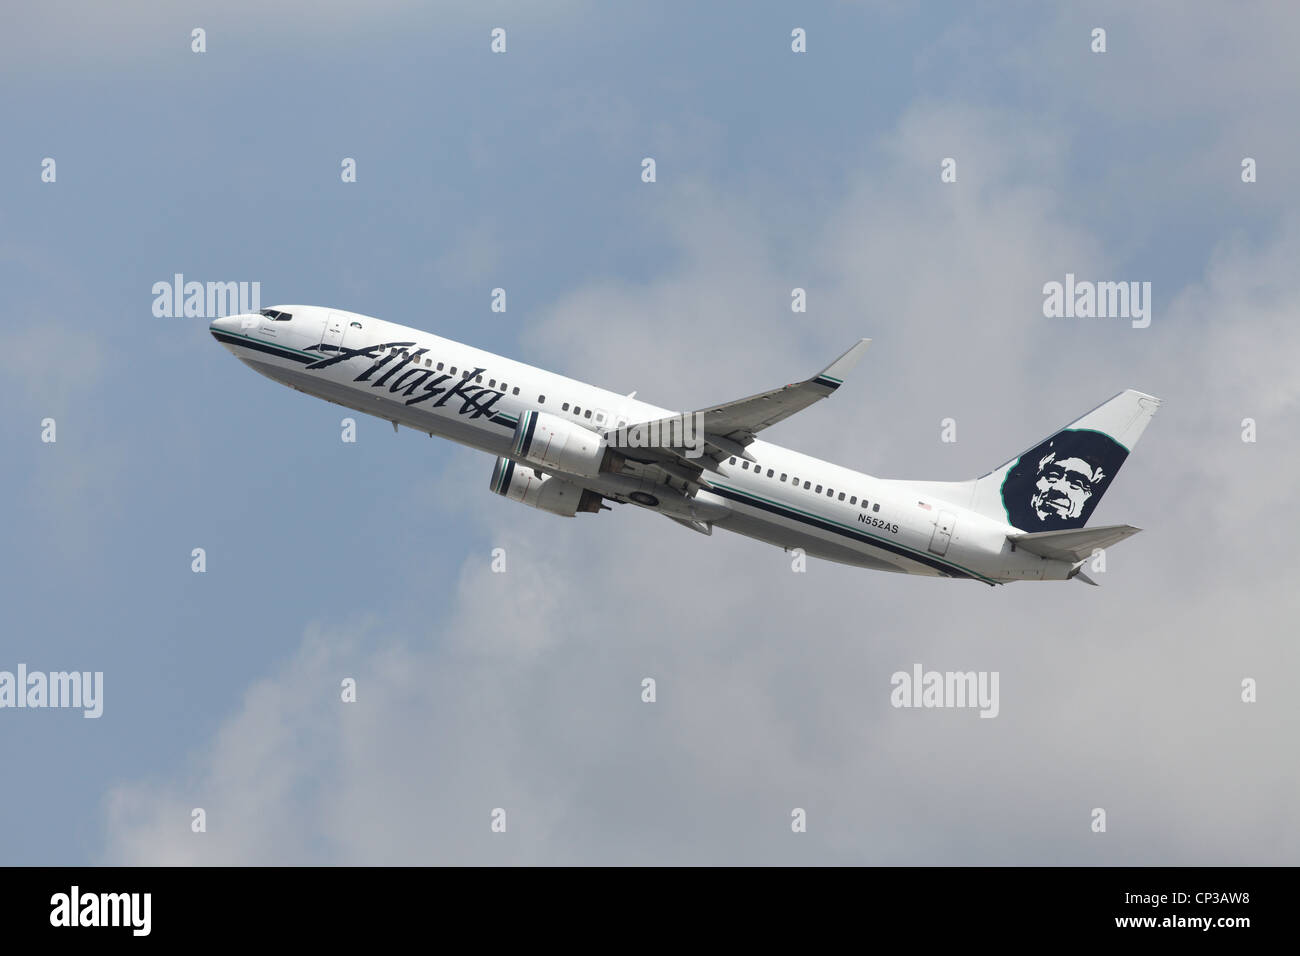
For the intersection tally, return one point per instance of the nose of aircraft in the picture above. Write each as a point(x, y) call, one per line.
point(234, 323)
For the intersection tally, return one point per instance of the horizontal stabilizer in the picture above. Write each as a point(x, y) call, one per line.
point(1075, 545)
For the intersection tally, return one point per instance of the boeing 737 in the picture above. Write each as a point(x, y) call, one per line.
point(567, 447)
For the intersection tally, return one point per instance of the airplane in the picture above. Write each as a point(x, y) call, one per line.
point(567, 447)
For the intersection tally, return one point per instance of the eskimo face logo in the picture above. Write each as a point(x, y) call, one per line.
point(1057, 484)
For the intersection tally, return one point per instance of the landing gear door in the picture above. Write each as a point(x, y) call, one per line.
point(335, 326)
point(943, 525)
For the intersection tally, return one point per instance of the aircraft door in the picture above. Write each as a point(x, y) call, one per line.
point(943, 525)
point(335, 326)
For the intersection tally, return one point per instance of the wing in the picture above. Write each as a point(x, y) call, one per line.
point(728, 428)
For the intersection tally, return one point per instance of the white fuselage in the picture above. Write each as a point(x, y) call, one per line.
point(417, 379)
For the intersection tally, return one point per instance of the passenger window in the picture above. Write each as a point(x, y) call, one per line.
point(807, 485)
point(769, 473)
point(733, 461)
point(428, 363)
point(452, 370)
point(565, 406)
point(745, 465)
point(516, 391)
point(587, 413)
point(819, 489)
point(830, 492)
point(479, 379)
point(577, 410)
point(841, 496)
point(875, 507)
point(439, 366)
point(853, 500)
point(541, 399)
point(783, 476)
point(492, 383)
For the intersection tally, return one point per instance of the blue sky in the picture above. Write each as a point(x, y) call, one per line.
point(522, 170)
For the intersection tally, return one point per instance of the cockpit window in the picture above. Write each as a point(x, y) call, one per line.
point(279, 316)
point(356, 325)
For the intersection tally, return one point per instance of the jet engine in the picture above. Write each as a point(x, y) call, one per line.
point(554, 444)
point(547, 492)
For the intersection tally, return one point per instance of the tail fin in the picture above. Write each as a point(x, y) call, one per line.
point(1055, 485)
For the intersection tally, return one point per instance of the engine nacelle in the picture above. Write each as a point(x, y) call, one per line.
point(556, 495)
point(554, 444)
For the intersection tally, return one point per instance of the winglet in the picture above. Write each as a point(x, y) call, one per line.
point(833, 375)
